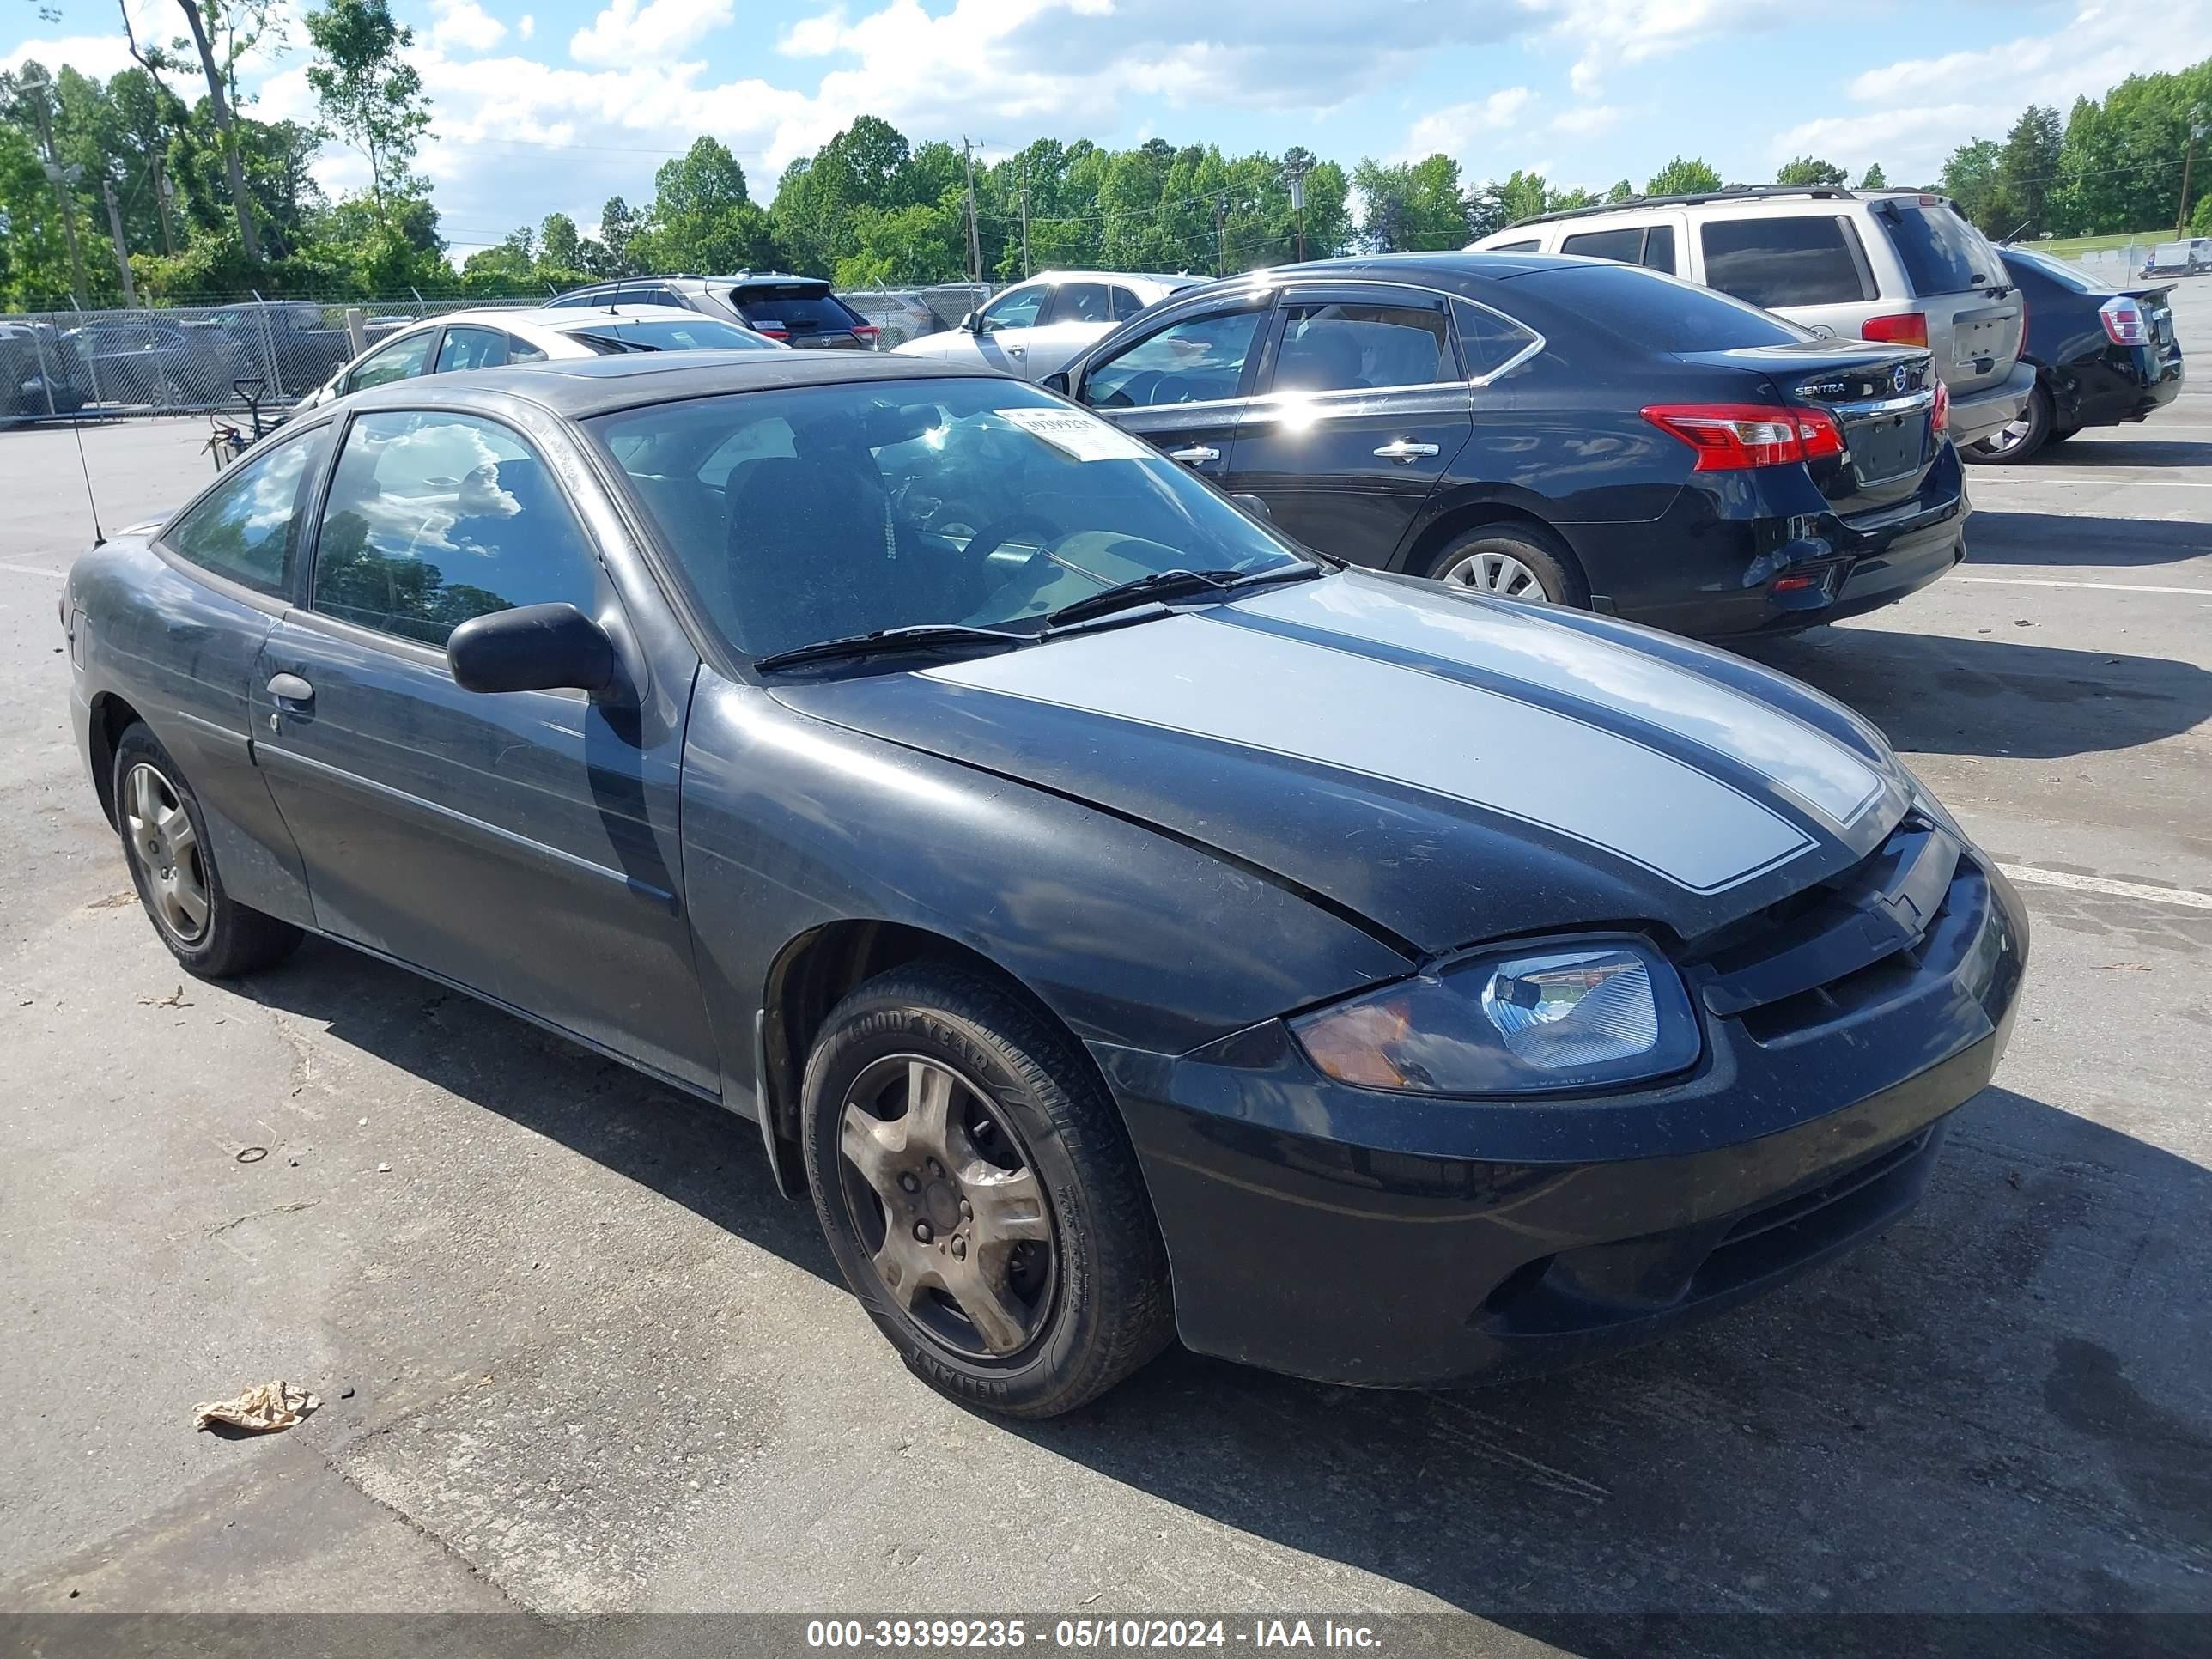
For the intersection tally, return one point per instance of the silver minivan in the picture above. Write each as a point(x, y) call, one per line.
point(1895, 265)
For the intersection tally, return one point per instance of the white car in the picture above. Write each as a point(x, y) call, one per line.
point(491, 337)
point(1035, 328)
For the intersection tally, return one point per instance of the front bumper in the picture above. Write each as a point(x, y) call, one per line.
point(1360, 1236)
point(1975, 415)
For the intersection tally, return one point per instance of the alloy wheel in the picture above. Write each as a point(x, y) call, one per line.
point(1500, 573)
point(2008, 437)
point(167, 851)
point(947, 1204)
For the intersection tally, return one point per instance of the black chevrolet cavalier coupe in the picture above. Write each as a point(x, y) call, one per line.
point(1125, 924)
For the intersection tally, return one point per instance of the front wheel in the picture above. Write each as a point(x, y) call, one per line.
point(979, 1194)
point(2016, 440)
point(1510, 562)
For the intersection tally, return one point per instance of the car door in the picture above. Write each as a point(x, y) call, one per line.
point(1080, 314)
point(1001, 338)
point(1181, 385)
point(1362, 407)
point(521, 844)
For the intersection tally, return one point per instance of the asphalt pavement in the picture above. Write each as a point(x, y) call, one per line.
point(576, 1356)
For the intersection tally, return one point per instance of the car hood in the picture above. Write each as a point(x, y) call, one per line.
point(1448, 768)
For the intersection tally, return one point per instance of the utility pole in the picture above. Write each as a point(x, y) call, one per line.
point(60, 178)
point(122, 247)
point(1296, 174)
point(1025, 216)
point(163, 191)
point(974, 242)
point(2196, 130)
point(1221, 234)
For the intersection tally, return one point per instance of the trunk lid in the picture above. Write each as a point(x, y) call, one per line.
point(1882, 397)
point(1976, 319)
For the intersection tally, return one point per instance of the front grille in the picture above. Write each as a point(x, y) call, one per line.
point(1861, 939)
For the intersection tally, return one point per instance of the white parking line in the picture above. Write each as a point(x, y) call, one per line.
point(2046, 477)
point(2113, 587)
point(32, 570)
point(2134, 890)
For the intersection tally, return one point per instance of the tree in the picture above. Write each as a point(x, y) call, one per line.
point(1524, 196)
point(1412, 206)
point(222, 31)
point(2026, 173)
point(1683, 176)
point(703, 219)
point(1622, 190)
point(1969, 178)
point(368, 90)
point(1567, 201)
point(1809, 170)
point(619, 228)
point(1875, 179)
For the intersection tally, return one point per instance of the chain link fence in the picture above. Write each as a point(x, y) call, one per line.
point(901, 315)
point(181, 360)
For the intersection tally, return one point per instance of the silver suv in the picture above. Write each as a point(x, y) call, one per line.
point(1892, 265)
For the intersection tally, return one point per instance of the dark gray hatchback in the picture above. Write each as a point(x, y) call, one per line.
point(1066, 874)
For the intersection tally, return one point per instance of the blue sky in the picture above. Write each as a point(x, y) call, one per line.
point(556, 104)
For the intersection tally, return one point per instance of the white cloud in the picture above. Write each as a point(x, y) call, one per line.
point(627, 32)
point(1589, 120)
point(95, 55)
point(813, 37)
point(1452, 130)
point(526, 26)
point(1912, 114)
point(1608, 35)
point(464, 25)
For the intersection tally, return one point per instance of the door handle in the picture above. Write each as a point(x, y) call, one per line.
point(1195, 455)
point(1404, 449)
point(290, 688)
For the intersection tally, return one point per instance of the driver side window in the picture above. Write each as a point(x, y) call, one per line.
point(402, 360)
point(1198, 360)
point(1017, 309)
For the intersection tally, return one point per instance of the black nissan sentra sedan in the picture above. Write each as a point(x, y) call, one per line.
point(1554, 428)
point(1126, 925)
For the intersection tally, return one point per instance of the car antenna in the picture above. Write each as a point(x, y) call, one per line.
point(76, 430)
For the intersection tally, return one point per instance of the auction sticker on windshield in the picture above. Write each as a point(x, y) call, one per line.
point(1081, 436)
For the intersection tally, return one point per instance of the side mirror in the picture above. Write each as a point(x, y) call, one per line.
point(972, 322)
point(1057, 381)
point(1255, 507)
point(531, 647)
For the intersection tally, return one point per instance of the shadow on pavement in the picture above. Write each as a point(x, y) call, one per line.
point(2146, 450)
point(1931, 693)
point(1992, 1408)
point(2059, 540)
point(686, 1150)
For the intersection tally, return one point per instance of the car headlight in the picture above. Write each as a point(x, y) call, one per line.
point(1532, 1020)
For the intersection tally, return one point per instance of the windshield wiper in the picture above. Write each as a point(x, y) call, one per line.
point(919, 637)
point(1177, 583)
point(611, 344)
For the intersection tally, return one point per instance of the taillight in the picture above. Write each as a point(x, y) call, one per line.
point(2124, 321)
point(866, 334)
point(1898, 328)
point(1728, 437)
point(1939, 418)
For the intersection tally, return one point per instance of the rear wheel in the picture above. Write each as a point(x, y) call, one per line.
point(1510, 562)
point(165, 838)
point(2016, 440)
point(979, 1194)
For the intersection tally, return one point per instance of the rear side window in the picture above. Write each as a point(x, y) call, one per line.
point(1626, 244)
point(248, 527)
point(1659, 249)
point(472, 348)
point(1662, 314)
point(1125, 304)
point(1812, 259)
point(1489, 339)
point(1529, 247)
point(1344, 347)
point(1080, 302)
point(802, 311)
point(1941, 253)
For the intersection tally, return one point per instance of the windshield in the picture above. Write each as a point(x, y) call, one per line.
point(815, 512)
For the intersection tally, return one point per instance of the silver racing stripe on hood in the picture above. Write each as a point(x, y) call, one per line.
point(1288, 696)
point(1822, 775)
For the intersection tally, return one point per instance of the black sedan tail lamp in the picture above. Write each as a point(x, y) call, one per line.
point(1729, 437)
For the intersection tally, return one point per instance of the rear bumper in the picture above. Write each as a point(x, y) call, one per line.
point(1979, 413)
point(2124, 383)
point(1356, 1236)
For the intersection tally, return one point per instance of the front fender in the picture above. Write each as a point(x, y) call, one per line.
point(1134, 936)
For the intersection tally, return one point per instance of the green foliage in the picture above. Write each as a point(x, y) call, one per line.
point(1622, 190)
point(1683, 176)
point(1810, 170)
point(1875, 178)
point(369, 92)
point(1524, 196)
point(1566, 201)
point(703, 220)
point(1411, 205)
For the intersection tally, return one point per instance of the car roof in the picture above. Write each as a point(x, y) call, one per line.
point(581, 387)
point(1464, 273)
point(1164, 279)
point(1777, 198)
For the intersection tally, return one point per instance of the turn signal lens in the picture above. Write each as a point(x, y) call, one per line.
point(1610, 1012)
point(1939, 418)
point(1898, 328)
point(2124, 322)
point(1728, 437)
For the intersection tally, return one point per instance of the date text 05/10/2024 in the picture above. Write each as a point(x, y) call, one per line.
point(1079, 1634)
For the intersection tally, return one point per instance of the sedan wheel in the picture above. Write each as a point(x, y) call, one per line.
point(1497, 573)
point(2016, 440)
point(167, 851)
point(963, 1243)
point(978, 1187)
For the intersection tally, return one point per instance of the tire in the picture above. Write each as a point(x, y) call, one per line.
point(1485, 561)
point(1033, 1216)
point(2019, 442)
point(158, 818)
